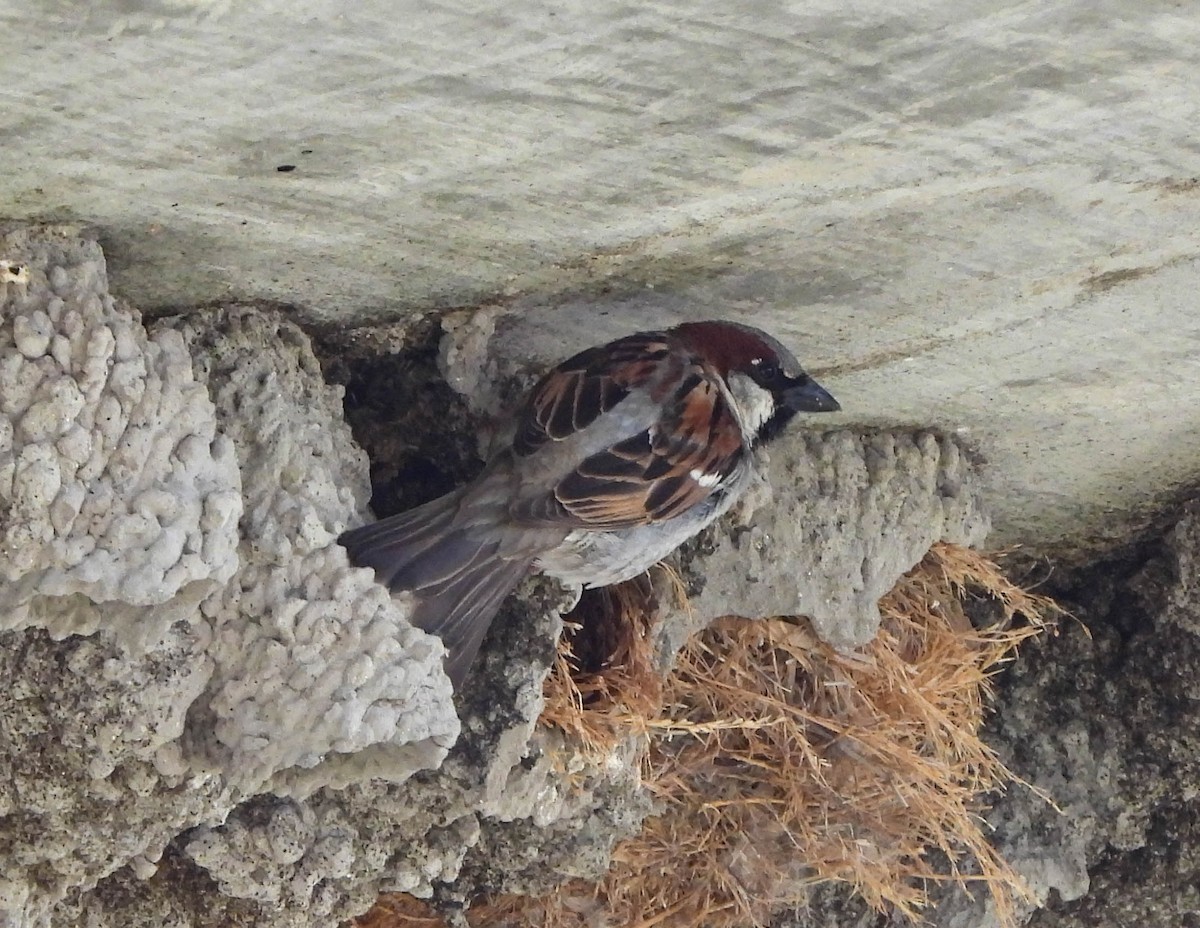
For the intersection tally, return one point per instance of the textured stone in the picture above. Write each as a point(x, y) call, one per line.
point(253, 760)
point(839, 517)
point(86, 739)
point(317, 676)
point(1104, 719)
point(170, 504)
point(115, 485)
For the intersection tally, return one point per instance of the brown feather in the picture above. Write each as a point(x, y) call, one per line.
point(653, 476)
point(581, 389)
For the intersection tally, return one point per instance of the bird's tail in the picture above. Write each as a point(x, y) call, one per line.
point(453, 569)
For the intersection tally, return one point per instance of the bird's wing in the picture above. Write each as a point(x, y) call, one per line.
point(654, 475)
point(579, 390)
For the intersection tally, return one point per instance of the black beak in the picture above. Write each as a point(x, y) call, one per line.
point(806, 395)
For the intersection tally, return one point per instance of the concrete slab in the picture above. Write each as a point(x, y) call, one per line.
point(981, 215)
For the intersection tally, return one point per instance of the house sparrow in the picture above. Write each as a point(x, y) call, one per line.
point(618, 456)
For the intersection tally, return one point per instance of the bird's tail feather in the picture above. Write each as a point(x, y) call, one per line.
point(454, 571)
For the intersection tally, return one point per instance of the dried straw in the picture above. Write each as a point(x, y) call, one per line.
point(780, 762)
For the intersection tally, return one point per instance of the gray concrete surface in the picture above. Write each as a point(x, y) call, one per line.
point(978, 215)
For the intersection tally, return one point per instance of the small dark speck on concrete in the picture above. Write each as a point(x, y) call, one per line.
point(285, 168)
point(306, 151)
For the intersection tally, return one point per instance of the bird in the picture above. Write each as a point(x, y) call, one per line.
point(616, 457)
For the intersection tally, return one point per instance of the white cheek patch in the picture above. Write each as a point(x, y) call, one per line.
point(754, 405)
point(705, 480)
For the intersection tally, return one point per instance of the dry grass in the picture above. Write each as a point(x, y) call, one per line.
point(598, 708)
point(399, 910)
point(780, 762)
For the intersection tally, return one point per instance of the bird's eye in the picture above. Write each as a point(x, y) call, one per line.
point(765, 370)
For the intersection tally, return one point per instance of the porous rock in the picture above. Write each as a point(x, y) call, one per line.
point(1102, 719)
point(1107, 723)
point(119, 503)
point(318, 678)
point(88, 783)
point(839, 518)
point(254, 762)
point(498, 813)
point(170, 500)
point(115, 484)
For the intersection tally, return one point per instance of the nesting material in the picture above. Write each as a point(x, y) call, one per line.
point(781, 763)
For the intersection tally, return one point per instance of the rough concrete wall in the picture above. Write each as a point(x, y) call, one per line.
point(1106, 719)
point(240, 727)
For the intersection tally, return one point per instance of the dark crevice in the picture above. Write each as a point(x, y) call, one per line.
point(417, 432)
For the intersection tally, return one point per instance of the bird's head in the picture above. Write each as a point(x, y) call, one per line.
point(764, 378)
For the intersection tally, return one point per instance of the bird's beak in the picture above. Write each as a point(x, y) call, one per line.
point(809, 396)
